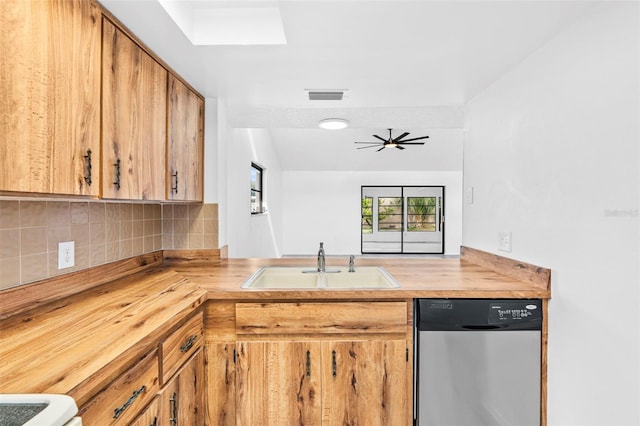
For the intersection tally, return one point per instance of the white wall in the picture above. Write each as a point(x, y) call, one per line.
point(325, 206)
point(253, 235)
point(552, 154)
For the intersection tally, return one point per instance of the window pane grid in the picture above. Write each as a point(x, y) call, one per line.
point(421, 214)
point(390, 214)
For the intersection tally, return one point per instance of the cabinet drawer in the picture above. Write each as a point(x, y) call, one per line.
point(305, 318)
point(178, 347)
point(123, 399)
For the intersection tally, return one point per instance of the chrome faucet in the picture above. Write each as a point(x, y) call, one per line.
point(321, 262)
point(352, 260)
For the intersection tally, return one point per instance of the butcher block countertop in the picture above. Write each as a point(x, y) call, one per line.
point(55, 341)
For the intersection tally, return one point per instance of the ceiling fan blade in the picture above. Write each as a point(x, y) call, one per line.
point(383, 140)
point(404, 135)
point(399, 147)
point(415, 139)
point(410, 143)
point(371, 143)
point(370, 146)
point(381, 148)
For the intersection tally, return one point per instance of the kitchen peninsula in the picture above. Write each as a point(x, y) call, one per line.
point(173, 324)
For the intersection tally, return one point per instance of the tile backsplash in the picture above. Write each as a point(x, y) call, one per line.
point(30, 231)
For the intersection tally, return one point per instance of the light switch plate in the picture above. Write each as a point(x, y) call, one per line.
point(468, 195)
point(66, 254)
point(504, 241)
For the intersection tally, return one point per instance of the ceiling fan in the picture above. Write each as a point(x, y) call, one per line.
point(396, 142)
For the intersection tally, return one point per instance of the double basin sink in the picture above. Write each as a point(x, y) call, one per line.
point(299, 278)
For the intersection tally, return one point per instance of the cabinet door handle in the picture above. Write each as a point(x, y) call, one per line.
point(118, 411)
point(155, 422)
point(174, 188)
point(334, 364)
point(174, 409)
point(308, 363)
point(117, 166)
point(87, 177)
point(189, 343)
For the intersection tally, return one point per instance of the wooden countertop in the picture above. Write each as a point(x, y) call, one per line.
point(418, 278)
point(78, 344)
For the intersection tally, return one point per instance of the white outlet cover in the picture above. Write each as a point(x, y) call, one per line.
point(66, 254)
point(468, 195)
point(504, 241)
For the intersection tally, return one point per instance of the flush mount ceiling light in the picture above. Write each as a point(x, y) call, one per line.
point(333, 123)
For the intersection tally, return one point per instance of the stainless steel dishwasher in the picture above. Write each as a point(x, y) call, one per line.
point(478, 362)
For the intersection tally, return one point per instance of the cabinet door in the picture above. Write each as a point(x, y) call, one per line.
point(221, 374)
point(134, 110)
point(365, 383)
point(278, 383)
point(185, 143)
point(182, 399)
point(50, 103)
point(149, 417)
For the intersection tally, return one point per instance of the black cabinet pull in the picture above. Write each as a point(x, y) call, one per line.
point(174, 409)
point(174, 188)
point(118, 411)
point(308, 364)
point(87, 177)
point(334, 364)
point(117, 166)
point(188, 344)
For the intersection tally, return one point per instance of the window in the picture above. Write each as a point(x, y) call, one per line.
point(389, 214)
point(421, 214)
point(402, 219)
point(367, 215)
point(257, 189)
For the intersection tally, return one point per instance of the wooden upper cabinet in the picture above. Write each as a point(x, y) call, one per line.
point(185, 143)
point(134, 112)
point(50, 102)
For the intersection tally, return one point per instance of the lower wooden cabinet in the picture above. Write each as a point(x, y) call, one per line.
point(332, 363)
point(322, 383)
point(181, 401)
point(164, 387)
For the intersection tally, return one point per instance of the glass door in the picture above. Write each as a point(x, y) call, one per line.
point(402, 219)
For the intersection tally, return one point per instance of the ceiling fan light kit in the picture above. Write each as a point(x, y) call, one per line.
point(333, 123)
point(391, 142)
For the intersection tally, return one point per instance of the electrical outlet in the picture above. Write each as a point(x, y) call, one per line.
point(504, 241)
point(66, 254)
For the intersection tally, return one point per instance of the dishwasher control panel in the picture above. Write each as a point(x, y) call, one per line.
point(513, 311)
point(479, 314)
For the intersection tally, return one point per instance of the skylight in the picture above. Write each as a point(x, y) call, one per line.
point(214, 23)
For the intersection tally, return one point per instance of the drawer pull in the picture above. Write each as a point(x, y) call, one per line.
point(132, 398)
point(308, 363)
point(188, 344)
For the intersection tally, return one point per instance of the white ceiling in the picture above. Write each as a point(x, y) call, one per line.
point(410, 65)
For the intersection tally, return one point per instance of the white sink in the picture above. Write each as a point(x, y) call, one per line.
point(36, 409)
point(289, 277)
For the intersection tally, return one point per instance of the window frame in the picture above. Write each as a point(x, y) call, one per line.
point(260, 192)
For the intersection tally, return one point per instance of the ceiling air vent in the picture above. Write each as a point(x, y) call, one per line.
point(326, 95)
